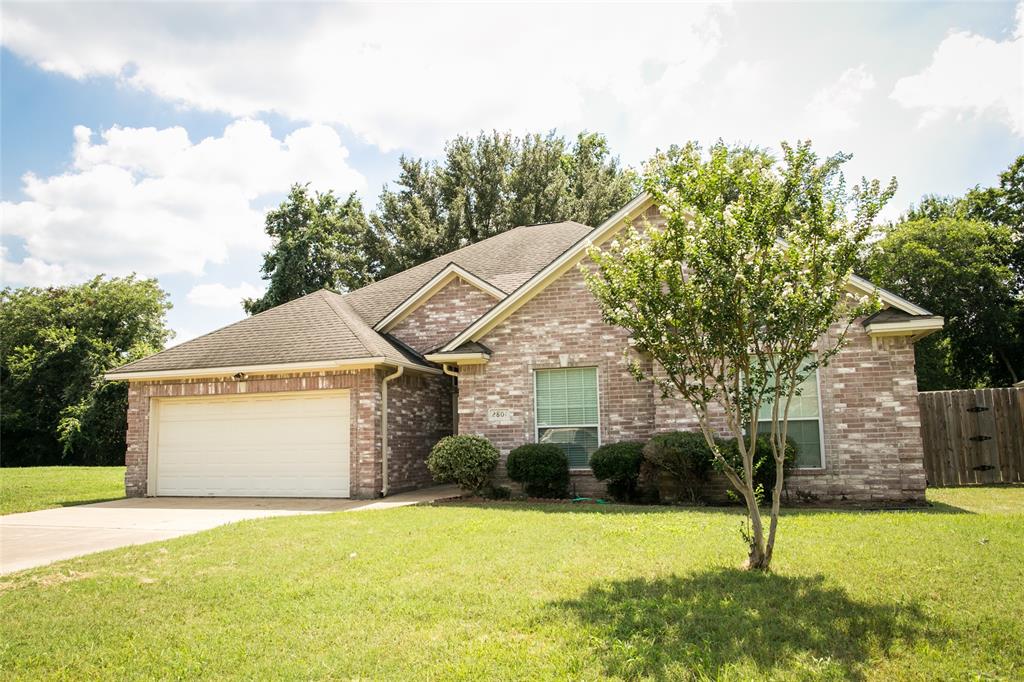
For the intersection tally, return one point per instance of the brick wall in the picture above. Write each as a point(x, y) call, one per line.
point(419, 415)
point(561, 327)
point(411, 401)
point(872, 445)
point(444, 315)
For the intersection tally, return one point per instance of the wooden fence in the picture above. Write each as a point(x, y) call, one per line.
point(973, 436)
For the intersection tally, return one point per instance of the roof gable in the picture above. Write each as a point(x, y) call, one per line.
point(438, 282)
point(627, 214)
point(504, 262)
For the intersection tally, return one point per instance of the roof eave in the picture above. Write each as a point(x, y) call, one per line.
point(916, 329)
point(276, 368)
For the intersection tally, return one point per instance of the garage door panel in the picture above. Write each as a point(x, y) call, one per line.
point(271, 445)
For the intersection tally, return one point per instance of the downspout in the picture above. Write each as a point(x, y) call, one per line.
point(384, 428)
point(447, 369)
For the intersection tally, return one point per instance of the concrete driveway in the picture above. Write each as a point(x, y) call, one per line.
point(38, 538)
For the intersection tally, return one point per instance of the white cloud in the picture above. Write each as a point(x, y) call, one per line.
point(150, 201)
point(401, 76)
point(222, 296)
point(835, 107)
point(971, 73)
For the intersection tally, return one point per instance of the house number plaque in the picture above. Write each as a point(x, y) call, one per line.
point(499, 415)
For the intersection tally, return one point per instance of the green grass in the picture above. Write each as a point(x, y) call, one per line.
point(539, 592)
point(32, 488)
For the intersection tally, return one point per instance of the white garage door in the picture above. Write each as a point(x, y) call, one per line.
point(272, 445)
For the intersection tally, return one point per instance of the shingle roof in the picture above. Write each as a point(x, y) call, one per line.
point(506, 261)
point(318, 326)
point(326, 326)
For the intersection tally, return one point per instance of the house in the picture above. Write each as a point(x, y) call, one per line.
point(342, 395)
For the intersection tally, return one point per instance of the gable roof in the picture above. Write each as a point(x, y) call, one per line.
point(451, 272)
point(326, 329)
point(504, 261)
point(574, 254)
point(319, 329)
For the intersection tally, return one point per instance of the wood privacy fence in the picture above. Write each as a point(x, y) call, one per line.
point(973, 436)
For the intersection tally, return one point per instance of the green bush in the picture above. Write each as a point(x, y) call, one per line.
point(466, 460)
point(619, 465)
point(542, 468)
point(764, 463)
point(685, 456)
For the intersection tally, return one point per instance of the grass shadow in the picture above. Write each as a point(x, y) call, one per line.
point(734, 623)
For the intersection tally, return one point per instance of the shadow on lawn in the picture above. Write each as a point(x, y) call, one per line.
point(703, 624)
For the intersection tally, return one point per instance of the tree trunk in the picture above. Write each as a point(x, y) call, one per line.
point(759, 558)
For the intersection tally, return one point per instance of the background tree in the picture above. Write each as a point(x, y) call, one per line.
point(489, 184)
point(55, 347)
point(962, 258)
point(733, 297)
point(318, 242)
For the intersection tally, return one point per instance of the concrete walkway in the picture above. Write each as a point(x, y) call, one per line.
point(38, 538)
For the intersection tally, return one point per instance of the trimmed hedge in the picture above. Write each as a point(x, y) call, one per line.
point(685, 456)
point(466, 460)
point(542, 468)
point(619, 465)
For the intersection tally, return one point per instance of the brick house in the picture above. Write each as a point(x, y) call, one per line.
point(343, 395)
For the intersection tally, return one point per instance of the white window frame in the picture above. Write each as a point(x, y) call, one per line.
point(821, 426)
point(537, 427)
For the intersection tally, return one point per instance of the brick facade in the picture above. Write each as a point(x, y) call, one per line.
point(443, 315)
point(419, 415)
point(872, 446)
point(420, 404)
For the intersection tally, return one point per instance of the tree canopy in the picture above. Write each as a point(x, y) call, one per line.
point(56, 345)
point(733, 296)
point(489, 184)
point(319, 241)
point(963, 258)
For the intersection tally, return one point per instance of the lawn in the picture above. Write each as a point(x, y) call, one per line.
point(540, 592)
point(31, 488)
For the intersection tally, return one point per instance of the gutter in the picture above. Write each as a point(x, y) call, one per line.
point(384, 427)
point(289, 367)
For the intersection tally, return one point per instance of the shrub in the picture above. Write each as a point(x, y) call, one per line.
point(619, 465)
point(542, 468)
point(465, 460)
point(764, 463)
point(684, 456)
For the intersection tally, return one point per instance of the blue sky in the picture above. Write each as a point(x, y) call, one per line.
point(152, 137)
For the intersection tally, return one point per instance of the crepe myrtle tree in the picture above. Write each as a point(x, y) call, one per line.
point(732, 297)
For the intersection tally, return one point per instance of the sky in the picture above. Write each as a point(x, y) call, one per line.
point(153, 137)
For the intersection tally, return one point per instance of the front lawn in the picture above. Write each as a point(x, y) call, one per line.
point(538, 592)
point(31, 488)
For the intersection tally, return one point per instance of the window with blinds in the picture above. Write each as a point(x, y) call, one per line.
point(567, 411)
point(804, 423)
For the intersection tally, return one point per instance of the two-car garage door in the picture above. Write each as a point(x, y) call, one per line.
point(268, 445)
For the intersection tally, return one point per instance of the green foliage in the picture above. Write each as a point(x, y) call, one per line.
point(763, 463)
point(55, 347)
point(489, 184)
point(468, 461)
point(963, 258)
point(619, 465)
point(742, 282)
point(542, 468)
point(684, 455)
point(960, 269)
point(318, 243)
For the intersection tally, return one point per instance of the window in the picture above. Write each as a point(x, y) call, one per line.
point(566, 408)
point(804, 423)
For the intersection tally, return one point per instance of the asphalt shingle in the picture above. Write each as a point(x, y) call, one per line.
point(326, 326)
